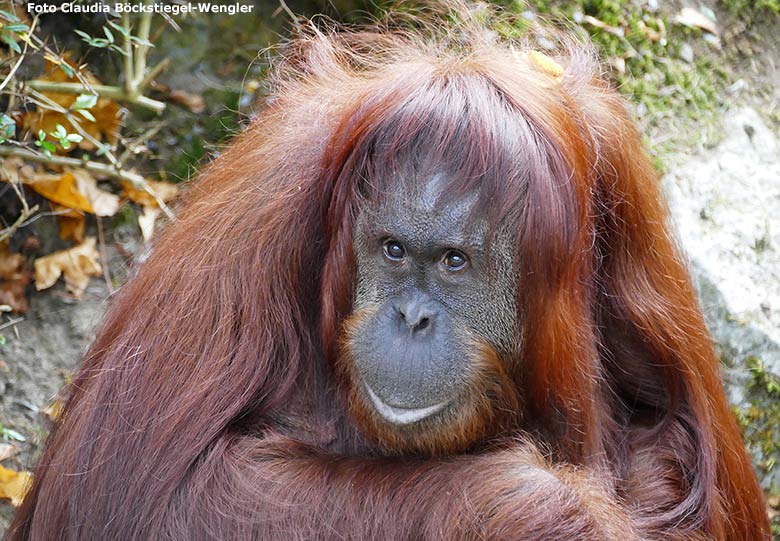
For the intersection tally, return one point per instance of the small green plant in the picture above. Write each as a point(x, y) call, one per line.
point(109, 42)
point(60, 135)
point(760, 420)
point(12, 30)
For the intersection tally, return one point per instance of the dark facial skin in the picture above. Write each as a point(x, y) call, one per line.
point(430, 295)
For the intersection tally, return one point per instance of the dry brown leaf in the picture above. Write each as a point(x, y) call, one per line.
point(14, 485)
point(72, 223)
point(103, 203)
point(14, 278)
point(146, 222)
point(14, 169)
point(193, 102)
point(105, 111)
point(8, 450)
point(9, 263)
point(598, 23)
point(76, 189)
point(694, 18)
point(75, 265)
point(164, 190)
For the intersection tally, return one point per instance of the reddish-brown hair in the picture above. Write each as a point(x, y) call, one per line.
point(235, 315)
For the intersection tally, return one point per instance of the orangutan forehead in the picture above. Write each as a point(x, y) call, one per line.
point(424, 205)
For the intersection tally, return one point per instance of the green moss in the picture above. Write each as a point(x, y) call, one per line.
point(678, 100)
point(762, 379)
point(760, 422)
point(752, 7)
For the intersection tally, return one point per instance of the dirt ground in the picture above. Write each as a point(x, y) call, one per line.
point(43, 350)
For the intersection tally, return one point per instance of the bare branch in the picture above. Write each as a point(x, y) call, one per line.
point(135, 179)
point(103, 91)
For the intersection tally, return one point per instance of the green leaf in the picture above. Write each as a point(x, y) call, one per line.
point(108, 34)
point(66, 69)
point(41, 135)
point(100, 43)
point(59, 132)
point(48, 146)
point(11, 434)
point(12, 44)
point(86, 114)
point(84, 35)
point(121, 29)
point(9, 16)
point(74, 138)
point(84, 101)
point(18, 27)
point(139, 41)
point(65, 144)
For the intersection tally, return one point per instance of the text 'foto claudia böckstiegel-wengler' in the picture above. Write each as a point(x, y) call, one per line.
point(138, 7)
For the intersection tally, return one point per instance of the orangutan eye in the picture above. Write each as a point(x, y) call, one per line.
point(454, 260)
point(394, 250)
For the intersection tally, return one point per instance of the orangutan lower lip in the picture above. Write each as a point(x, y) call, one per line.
point(402, 416)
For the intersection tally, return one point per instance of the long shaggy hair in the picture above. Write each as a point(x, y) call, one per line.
point(236, 319)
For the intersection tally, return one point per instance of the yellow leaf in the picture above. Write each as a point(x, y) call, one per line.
point(14, 485)
point(75, 264)
point(61, 189)
point(54, 410)
point(76, 189)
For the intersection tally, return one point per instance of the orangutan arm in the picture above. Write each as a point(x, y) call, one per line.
point(279, 489)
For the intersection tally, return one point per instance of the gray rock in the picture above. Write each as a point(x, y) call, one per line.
point(725, 205)
point(686, 52)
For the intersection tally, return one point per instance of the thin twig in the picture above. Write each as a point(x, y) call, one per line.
point(135, 179)
point(103, 91)
point(154, 72)
point(23, 216)
point(11, 323)
point(19, 61)
point(289, 12)
point(11, 229)
point(131, 148)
